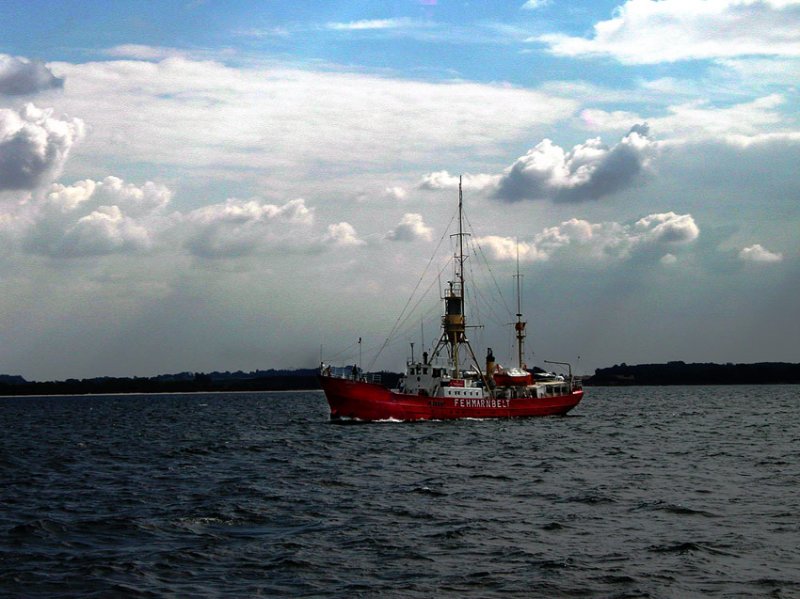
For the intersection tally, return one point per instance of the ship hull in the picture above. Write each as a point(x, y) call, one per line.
point(358, 400)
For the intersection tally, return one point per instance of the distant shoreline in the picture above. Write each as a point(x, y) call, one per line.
point(681, 373)
point(298, 380)
point(671, 373)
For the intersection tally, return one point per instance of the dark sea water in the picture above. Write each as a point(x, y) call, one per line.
point(640, 492)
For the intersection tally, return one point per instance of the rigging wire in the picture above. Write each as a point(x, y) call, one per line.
point(411, 297)
point(342, 352)
point(490, 305)
point(481, 253)
point(406, 325)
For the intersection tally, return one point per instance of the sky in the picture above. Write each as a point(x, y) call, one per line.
point(198, 185)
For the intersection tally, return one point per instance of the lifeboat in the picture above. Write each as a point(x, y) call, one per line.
point(512, 377)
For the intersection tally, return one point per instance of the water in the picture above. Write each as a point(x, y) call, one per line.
point(641, 492)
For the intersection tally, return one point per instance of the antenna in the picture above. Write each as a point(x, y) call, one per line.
point(460, 239)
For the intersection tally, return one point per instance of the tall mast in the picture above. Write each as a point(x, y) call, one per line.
point(520, 324)
point(453, 325)
point(456, 303)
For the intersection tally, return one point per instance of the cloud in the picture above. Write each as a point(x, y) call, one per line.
point(268, 32)
point(534, 4)
point(136, 200)
point(599, 241)
point(757, 254)
point(93, 218)
point(243, 227)
point(21, 77)
point(507, 248)
point(34, 146)
point(278, 119)
point(367, 24)
point(762, 71)
point(142, 52)
point(411, 228)
point(587, 172)
point(667, 228)
point(594, 119)
point(396, 194)
point(97, 218)
point(105, 231)
point(699, 119)
point(444, 180)
point(651, 32)
point(343, 235)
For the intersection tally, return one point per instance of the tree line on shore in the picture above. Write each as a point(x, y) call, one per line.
point(681, 373)
point(184, 382)
point(300, 379)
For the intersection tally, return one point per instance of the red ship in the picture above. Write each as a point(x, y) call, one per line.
point(449, 383)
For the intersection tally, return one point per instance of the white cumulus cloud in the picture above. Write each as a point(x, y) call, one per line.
point(342, 234)
point(93, 218)
point(411, 228)
point(242, 227)
point(757, 253)
point(598, 241)
point(667, 227)
point(588, 171)
point(104, 231)
point(508, 248)
point(34, 146)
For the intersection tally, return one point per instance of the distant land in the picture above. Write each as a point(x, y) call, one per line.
point(680, 373)
point(671, 373)
point(184, 382)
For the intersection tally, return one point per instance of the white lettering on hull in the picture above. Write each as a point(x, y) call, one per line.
point(466, 402)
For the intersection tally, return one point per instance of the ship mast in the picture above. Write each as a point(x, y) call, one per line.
point(455, 326)
point(520, 324)
point(453, 323)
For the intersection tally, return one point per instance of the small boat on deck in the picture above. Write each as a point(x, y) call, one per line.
point(449, 383)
